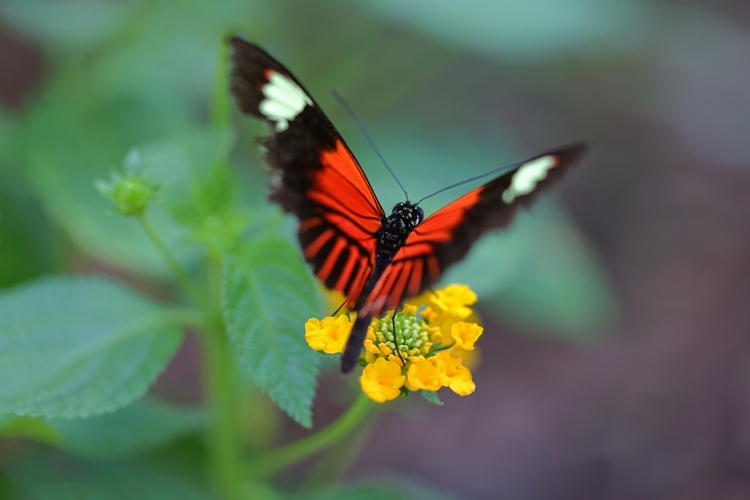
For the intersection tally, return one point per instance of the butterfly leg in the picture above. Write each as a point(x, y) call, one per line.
point(395, 338)
point(338, 308)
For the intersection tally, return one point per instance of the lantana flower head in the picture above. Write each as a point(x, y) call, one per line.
point(421, 348)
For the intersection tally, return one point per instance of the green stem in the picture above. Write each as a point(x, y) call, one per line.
point(270, 462)
point(179, 273)
point(336, 460)
point(188, 318)
point(225, 430)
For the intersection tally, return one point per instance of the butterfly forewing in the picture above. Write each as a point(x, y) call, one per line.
point(313, 173)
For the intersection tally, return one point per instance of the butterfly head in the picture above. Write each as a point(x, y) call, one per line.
point(409, 214)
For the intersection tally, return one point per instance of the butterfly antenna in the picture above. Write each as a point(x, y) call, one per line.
point(369, 139)
point(494, 171)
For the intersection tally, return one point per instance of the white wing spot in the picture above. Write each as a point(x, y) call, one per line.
point(284, 100)
point(525, 179)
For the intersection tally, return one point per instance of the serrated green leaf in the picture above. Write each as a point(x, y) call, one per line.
point(45, 475)
point(267, 296)
point(432, 397)
point(139, 427)
point(77, 347)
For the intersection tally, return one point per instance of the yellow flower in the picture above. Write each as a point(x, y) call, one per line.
point(382, 380)
point(410, 309)
point(430, 315)
point(455, 300)
point(423, 375)
point(465, 334)
point(428, 344)
point(454, 375)
point(329, 334)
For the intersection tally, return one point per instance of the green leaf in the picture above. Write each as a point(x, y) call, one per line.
point(77, 347)
point(139, 427)
point(44, 475)
point(142, 426)
point(432, 397)
point(267, 297)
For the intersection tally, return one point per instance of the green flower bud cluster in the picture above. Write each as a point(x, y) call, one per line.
point(410, 334)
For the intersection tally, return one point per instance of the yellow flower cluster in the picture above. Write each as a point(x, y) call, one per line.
point(425, 351)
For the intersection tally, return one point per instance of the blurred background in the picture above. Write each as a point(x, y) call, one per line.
point(616, 355)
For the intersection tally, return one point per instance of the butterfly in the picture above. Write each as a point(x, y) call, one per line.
point(377, 260)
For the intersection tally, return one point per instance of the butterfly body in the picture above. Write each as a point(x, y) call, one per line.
point(396, 229)
point(376, 260)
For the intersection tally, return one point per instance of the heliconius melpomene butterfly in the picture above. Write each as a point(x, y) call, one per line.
point(376, 260)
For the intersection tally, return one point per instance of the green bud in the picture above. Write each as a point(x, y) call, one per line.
point(130, 192)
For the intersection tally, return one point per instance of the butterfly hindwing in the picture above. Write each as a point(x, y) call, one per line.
point(313, 173)
point(446, 236)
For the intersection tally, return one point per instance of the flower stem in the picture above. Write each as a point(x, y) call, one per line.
point(270, 462)
point(188, 318)
point(179, 273)
point(225, 429)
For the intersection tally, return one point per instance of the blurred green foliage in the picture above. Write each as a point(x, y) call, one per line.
point(144, 82)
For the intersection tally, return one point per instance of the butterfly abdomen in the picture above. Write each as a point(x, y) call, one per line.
point(353, 348)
